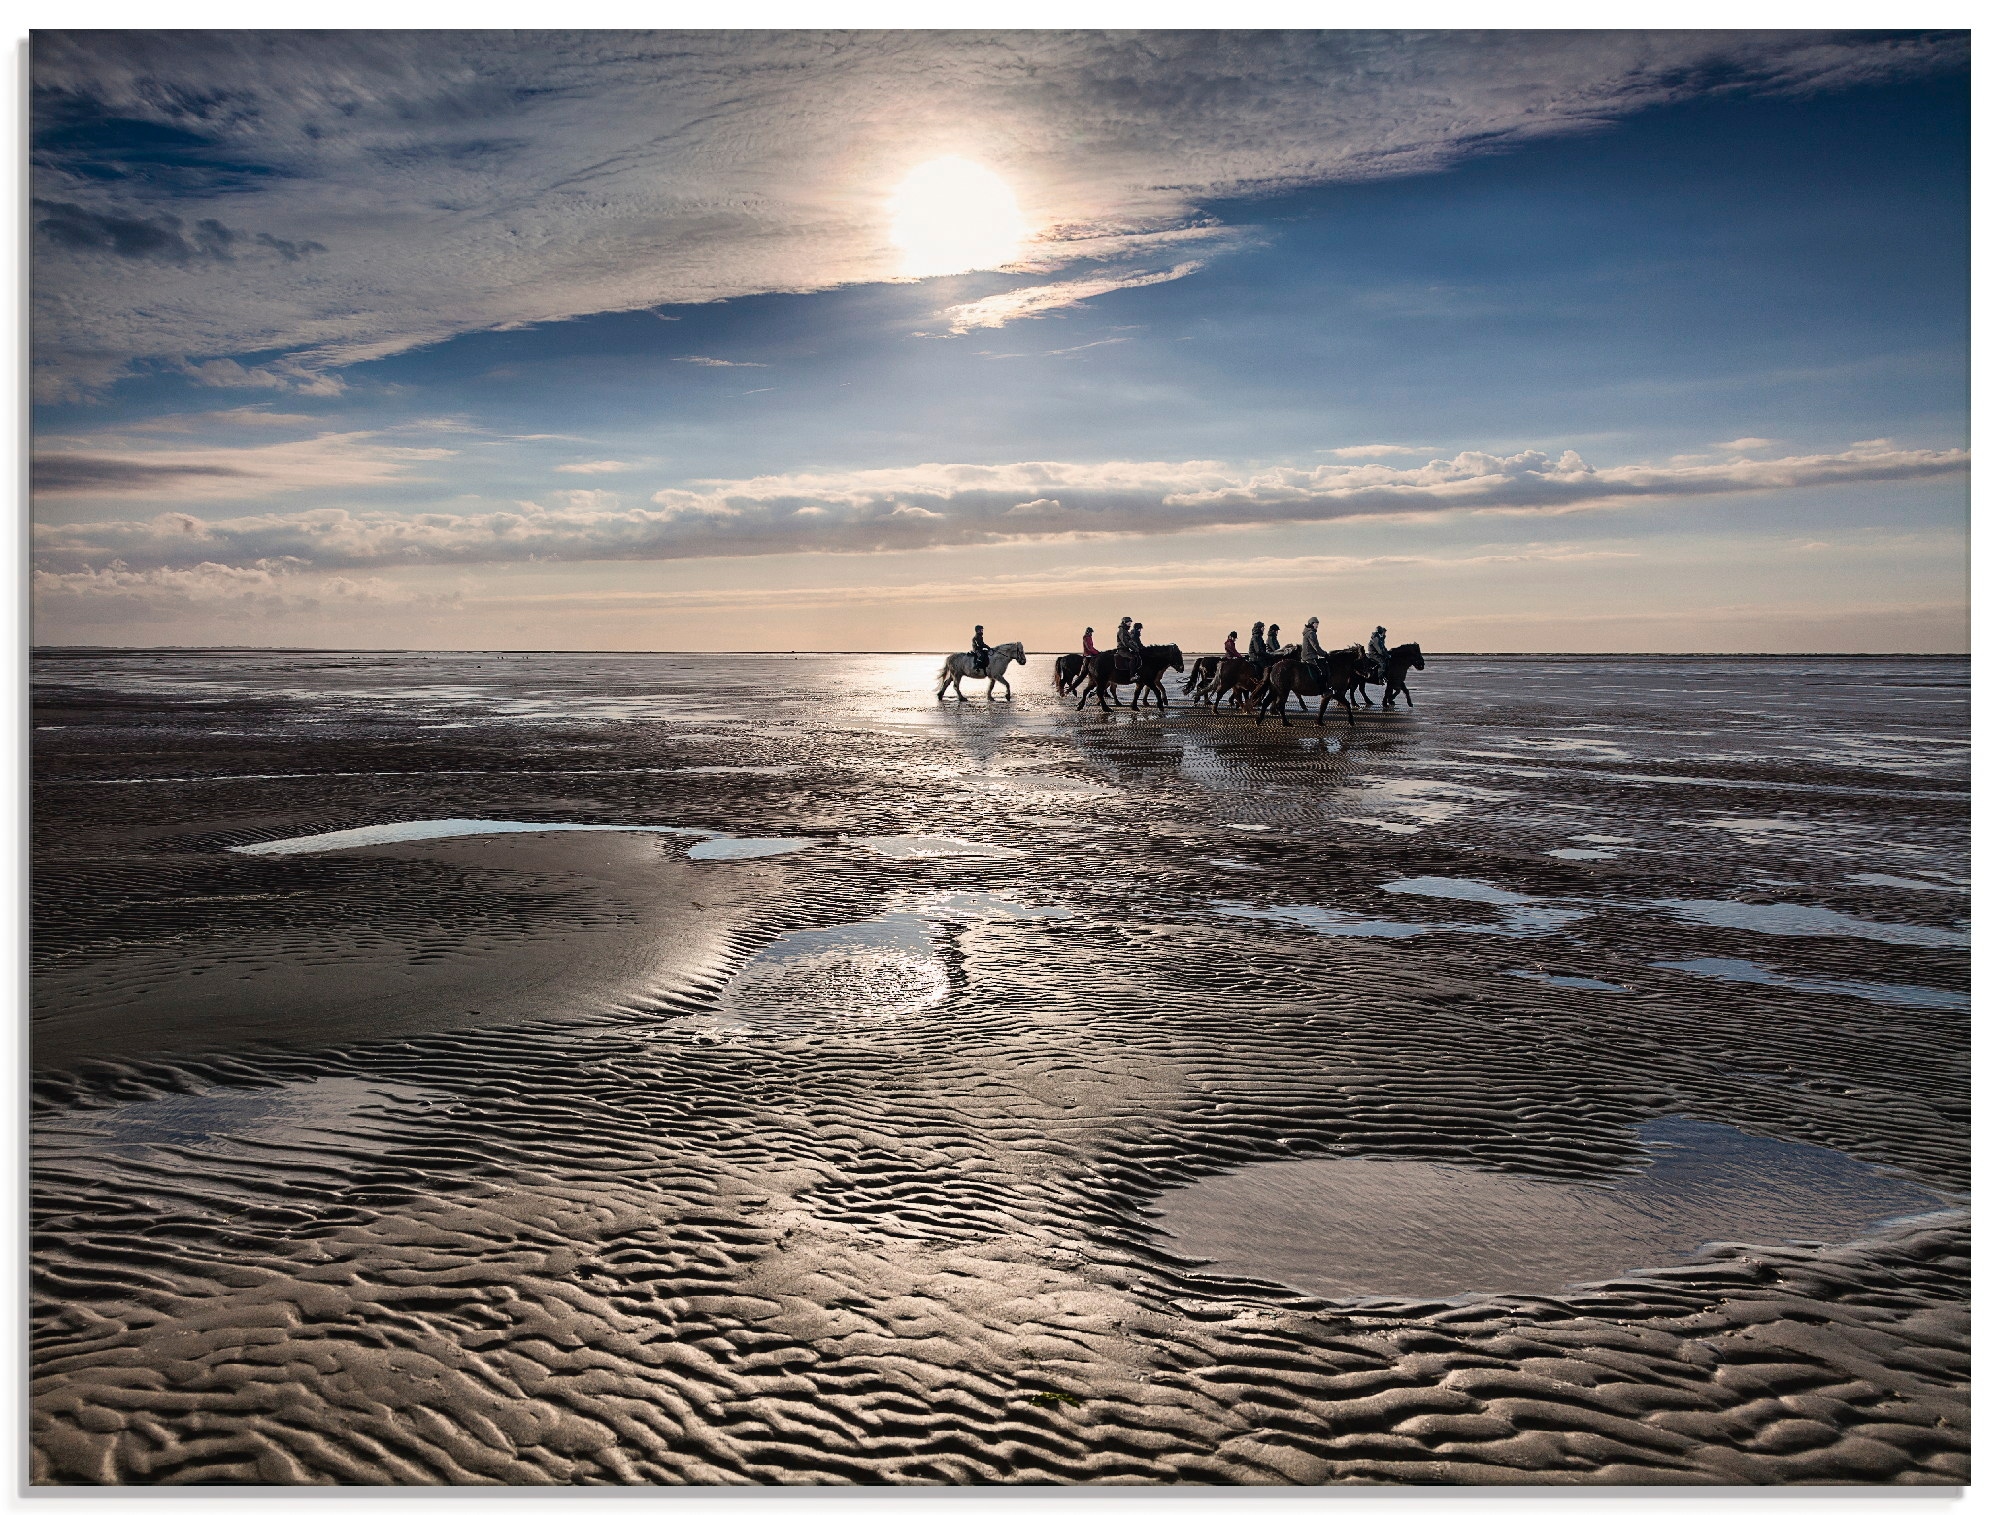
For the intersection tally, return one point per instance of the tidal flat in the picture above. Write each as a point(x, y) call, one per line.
point(751, 1070)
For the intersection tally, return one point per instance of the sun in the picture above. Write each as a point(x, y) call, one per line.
point(951, 215)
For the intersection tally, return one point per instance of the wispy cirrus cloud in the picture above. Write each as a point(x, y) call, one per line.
point(332, 460)
point(338, 196)
point(941, 505)
point(1042, 299)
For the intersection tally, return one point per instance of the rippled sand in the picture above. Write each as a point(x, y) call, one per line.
point(582, 1156)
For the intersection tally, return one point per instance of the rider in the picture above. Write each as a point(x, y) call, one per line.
point(1378, 650)
point(1272, 646)
point(1089, 642)
point(1138, 648)
point(979, 651)
point(1229, 652)
point(1257, 652)
point(1309, 644)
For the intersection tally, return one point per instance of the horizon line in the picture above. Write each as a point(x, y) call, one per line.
point(843, 652)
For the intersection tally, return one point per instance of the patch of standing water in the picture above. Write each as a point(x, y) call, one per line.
point(715, 846)
point(425, 831)
point(318, 1112)
point(1735, 970)
point(1581, 854)
point(1568, 981)
point(1456, 889)
point(1353, 1228)
point(905, 847)
point(1810, 920)
point(864, 973)
point(745, 846)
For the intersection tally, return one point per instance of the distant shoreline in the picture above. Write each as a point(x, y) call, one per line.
point(890, 652)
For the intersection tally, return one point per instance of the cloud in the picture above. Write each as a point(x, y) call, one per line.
point(720, 363)
point(119, 594)
point(163, 238)
point(406, 187)
point(332, 460)
point(1744, 444)
point(1371, 450)
point(1052, 583)
point(227, 373)
point(941, 505)
point(1041, 299)
point(606, 465)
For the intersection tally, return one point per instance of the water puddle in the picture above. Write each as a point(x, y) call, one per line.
point(1810, 920)
point(1736, 971)
point(426, 831)
point(1568, 981)
point(857, 975)
point(317, 1112)
point(1896, 881)
point(1456, 889)
point(745, 846)
point(1581, 854)
point(904, 847)
point(1322, 921)
point(1515, 920)
point(715, 846)
point(1351, 1228)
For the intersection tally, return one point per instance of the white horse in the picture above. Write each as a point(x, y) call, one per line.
point(998, 659)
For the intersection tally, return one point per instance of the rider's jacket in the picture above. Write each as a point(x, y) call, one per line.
point(1309, 642)
point(1378, 649)
point(1089, 645)
point(1257, 643)
point(1127, 641)
point(1229, 647)
point(979, 650)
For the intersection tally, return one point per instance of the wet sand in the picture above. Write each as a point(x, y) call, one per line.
point(859, 1163)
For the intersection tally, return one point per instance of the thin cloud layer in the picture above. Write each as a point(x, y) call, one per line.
point(340, 196)
point(332, 460)
point(942, 505)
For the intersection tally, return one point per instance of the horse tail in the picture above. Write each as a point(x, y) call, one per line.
point(944, 673)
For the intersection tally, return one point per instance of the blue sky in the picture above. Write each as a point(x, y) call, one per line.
point(1539, 341)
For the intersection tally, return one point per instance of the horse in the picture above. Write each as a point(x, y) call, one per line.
point(1104, 673)
point(999, 658)
point(1203, 672)
point(1235, 679)
point(1401, 660)
point(1289, 676)
point(1069, 671)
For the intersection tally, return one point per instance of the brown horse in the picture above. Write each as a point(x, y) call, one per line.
point(1290, 676)
point(1069, 671)
point(1234, 680)
point(1401, 660)
point(1105, 672)
point(1199, 678)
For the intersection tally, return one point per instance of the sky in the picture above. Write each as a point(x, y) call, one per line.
point(1528, 341)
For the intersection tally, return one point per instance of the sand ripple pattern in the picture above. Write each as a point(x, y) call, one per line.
point(913, 1245)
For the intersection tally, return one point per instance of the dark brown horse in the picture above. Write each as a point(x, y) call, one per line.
point(1110, 669)
point(1401, 660)
point(1290, 676)
point(1201, 675)
point(1234, 681)
point(1069, 671)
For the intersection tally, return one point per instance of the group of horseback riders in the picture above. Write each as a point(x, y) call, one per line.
point(1266, 645)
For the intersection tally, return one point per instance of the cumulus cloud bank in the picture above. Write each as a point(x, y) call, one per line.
point(336, 196)
point(942, 505)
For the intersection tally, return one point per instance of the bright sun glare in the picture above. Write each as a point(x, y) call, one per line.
point(951, 215)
